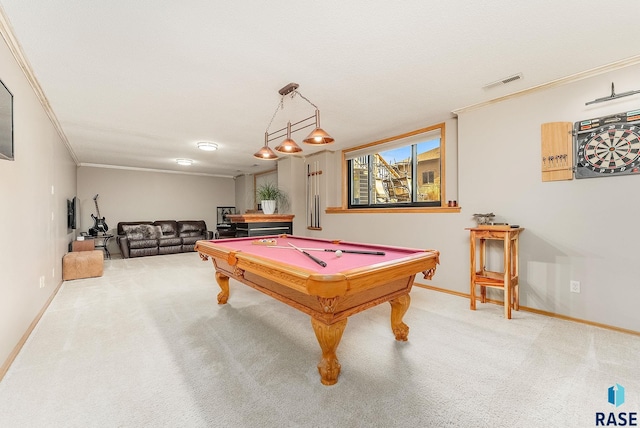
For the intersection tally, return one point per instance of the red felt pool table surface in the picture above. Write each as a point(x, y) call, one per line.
point(284, 253)
point(329, 295)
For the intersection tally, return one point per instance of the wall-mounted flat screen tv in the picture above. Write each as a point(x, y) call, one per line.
point(6, 123)
point(73, 212)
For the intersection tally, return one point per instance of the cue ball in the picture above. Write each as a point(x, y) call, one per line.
point(339, 253)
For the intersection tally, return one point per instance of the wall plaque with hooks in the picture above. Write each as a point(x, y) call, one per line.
point(556, 151)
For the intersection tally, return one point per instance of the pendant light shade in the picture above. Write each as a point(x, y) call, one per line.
point(318, 135)
point(265, 153)
point(288, 145)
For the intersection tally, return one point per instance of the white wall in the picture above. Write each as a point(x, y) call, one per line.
point(292, 174)
point(244, 193)
point(33, 207)
point(575, 230)
point(134, 195)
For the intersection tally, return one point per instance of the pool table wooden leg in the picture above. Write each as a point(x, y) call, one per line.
point(399, 307)
point(329, 336)
point(223, 282)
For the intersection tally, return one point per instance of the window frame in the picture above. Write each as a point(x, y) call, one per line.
point(388, 208)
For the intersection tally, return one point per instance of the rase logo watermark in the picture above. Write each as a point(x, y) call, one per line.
point(615, 397)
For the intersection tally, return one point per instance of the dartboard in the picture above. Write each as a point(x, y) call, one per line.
point(609, 149)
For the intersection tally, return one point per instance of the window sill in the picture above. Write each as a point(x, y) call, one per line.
point(421, 210)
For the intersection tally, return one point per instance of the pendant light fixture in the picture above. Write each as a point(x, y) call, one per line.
point(317, 137)
point(288, 145)
point(265, 153)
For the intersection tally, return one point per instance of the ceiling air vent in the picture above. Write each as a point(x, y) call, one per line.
point(503, 81)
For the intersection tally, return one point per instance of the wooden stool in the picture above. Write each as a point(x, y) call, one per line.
point(507, 280)
point(82, 264)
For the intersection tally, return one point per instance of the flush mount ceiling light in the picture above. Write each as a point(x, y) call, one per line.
point(317, 136)
point(185, 162)
point(207, 146)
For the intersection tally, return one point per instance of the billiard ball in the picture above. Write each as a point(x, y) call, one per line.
point(339, 253)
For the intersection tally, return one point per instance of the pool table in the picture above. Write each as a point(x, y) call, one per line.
point(363, 276)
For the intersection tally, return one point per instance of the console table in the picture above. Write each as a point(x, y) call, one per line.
point(482, 277)
point(100, 241)
point(261, 224)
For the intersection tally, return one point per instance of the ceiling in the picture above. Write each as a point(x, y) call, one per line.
point(138, 83)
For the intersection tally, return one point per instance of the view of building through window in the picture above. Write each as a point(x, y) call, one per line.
point(400, 176)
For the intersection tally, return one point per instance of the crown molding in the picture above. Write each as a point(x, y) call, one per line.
point(166, 171)
point(558, 82)
point(14, 46)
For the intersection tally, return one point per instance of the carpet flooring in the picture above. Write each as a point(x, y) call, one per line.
point(147, 345)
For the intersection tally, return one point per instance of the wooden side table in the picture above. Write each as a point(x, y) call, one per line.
point(506, 280)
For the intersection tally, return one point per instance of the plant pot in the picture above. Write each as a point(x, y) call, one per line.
point(268, 207)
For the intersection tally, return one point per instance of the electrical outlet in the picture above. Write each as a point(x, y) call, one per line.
point(42, 281)
point(574, 286)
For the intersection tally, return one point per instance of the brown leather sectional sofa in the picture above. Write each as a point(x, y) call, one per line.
point(147, 238)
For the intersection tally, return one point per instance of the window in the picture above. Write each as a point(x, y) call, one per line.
point(428, 177)
point(402, 171)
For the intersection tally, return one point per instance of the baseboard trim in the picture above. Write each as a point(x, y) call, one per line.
point(16, 350)
point(533, 310)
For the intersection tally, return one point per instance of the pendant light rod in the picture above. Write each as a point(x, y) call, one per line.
point(282, 132)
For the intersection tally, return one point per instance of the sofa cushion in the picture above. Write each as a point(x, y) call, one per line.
point(187, 240)
point(131, 231)
point(192, 228)
point(167, 242)
point(142, 231)
point(143, 243)
point(129, 223)
point(171, 249)
point(139, 252)
point(169, 227)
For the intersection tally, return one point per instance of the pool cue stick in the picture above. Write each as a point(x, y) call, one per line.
point(311, 200)
point(308, 208)
point(318, 175)
point(317, 195)
point(330, 250)
point(315, 214)
point(315, 259)
point(374, 253)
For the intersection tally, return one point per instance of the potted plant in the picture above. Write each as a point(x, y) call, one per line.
point(269, 196)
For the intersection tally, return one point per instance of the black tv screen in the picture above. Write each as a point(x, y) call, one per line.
point(6, 123)
point(72, 213)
